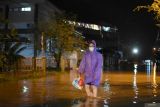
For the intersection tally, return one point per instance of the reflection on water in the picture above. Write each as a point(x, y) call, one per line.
point(118, 89)
point(154, 76)
point(135, 88)
point(148, 69)
point(106, 85)
point(25, 89)
point(154, 83)
point(89, 102)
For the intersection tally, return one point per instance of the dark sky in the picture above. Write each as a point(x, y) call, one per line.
point(135, 28)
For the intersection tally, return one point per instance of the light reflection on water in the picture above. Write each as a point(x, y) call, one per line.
point(118, 88)
point(154, 83)
point(154, 76)
point(135, 88)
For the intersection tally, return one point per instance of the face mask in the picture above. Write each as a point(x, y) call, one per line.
point(91, 49)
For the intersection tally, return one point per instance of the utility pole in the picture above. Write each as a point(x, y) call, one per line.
point(101, 38)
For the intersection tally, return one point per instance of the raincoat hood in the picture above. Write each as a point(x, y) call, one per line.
point(94, 43)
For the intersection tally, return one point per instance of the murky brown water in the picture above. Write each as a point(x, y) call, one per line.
point(123, 89)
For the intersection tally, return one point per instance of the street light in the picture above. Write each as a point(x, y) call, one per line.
point(106, 29)
point(135, 51)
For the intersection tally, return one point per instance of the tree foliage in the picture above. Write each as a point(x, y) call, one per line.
point(154, 7)
point(62, 34)
point(10, 54)
point(10, 47)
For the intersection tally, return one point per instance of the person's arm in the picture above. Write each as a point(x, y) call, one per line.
point(99, 63)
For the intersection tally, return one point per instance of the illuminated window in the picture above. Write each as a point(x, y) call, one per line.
point(26, 9)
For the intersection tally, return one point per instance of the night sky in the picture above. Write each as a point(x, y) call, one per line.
point(134, 28)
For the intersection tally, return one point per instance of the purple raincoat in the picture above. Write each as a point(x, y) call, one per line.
point(91, 65)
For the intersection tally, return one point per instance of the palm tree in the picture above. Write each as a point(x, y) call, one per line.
point(10, 47)
point(10, 55)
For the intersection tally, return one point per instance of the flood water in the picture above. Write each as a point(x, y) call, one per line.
point(117, 89)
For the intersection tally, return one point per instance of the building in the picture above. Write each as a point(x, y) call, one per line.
point(25, 15)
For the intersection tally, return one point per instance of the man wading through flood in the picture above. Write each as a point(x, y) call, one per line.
point(91, 66)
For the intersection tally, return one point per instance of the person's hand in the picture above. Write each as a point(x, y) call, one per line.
point(78, 74)
point(77, 69)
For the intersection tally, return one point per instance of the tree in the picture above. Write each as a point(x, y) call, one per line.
point(62, 33)
point(154, 7)
point(10, 55)
point(10, 46)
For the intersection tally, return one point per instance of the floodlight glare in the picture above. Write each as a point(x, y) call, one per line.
point(135, 50)
point(106, 28)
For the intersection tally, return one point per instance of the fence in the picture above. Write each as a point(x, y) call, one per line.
point(27, 64)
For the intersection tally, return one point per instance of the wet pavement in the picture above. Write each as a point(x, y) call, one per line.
point(117, 89)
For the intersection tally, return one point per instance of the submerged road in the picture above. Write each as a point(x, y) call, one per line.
point(121, 89)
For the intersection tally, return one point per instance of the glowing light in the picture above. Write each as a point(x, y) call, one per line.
point(26, 9)
point(25, 89)
point(134, 102)
point(135, 50)
point(96, 27)
point(135, 82)
point(106, 106)
point(99, 48)
point(82, 50)
point(154, 49)
point(155, 95)
point(135, 66)
point(154, 75)
point(135, 97)
point(106, 85)
point(105, 102)
point(90, 26)
point(106, 28)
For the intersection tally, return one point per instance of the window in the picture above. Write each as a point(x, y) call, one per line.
point(29, 25)
point(26, 9)
point(16, 9)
